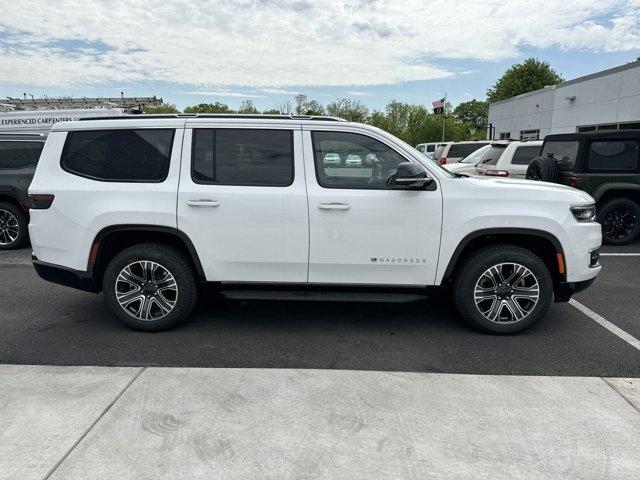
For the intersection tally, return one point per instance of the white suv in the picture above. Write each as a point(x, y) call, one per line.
point(508, 159)
point(147, 209)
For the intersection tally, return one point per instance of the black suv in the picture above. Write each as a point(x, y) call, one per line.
point(19, 154)
point(603, 164)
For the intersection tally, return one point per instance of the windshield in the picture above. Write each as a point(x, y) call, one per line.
point(565, 152)
point(475, 156)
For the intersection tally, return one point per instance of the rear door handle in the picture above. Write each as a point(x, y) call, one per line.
point(334, 206)
point(203, 203)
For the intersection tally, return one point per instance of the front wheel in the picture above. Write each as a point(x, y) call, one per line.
point(620, 220)
point(150, 287)
point(503, 289)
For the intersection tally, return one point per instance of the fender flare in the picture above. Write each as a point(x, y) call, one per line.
point(180, 235)
point(599, 192)
point(498, 231)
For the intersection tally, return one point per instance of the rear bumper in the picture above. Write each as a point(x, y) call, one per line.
point(565, 290)
point(65, 276)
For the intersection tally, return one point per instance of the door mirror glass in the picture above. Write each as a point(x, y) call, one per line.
point(412, 176)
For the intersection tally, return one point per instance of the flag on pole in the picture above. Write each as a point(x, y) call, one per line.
point(438, 105)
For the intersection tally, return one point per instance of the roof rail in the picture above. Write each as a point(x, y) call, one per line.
point(22, 134)
point(221, 115)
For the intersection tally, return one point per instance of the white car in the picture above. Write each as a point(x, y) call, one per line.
point(467, 166)
point(508, 159)
point(428, 148)
point(332, 159)
point(353, 160)
point(148, 209)
point(453, 152)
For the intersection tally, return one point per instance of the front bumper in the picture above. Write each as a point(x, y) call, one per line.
point(65, 276)
point(565, 290)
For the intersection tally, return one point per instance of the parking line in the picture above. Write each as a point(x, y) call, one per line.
point(617, 331)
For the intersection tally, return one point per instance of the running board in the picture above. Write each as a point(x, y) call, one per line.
point(301, 295)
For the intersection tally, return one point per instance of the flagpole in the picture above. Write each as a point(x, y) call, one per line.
point(444, 115)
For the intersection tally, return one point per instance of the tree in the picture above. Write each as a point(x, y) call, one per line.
point(351, 110)
point(306, 106)
point(271, 111)
point(470, 111)
point(209, 108)
point(162, 108)
point(247, 107)
point(524, 77)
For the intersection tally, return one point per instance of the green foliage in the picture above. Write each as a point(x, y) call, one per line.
point(247, 107)
point(470, 111)
point(162, 108)
point(351, 110)
point(306, 106)
point(524, 77)
point(209, 108)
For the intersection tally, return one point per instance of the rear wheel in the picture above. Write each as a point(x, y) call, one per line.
point(503, 289)
point(13, 226)
point(620, 220)
point(150, 287)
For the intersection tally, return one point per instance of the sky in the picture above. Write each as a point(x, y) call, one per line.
point(193, 51)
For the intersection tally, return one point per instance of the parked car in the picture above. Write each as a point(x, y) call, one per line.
point(370, 159)
point(19, 153)
point(467, 166)
point(508, 159)
point(332, 159)
point(429, 148)
point(453, 152)
point(147, 209)
point(603, 164)
point(353, 160)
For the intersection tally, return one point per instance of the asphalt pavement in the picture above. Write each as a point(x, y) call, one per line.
point(47, 324)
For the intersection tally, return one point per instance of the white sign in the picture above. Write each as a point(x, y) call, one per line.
point(39, 120)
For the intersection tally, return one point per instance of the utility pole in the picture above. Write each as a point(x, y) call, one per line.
point(444, 115)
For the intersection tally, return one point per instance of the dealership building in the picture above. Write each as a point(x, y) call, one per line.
point(607, 100)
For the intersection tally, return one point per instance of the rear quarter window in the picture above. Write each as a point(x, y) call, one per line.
point(121, 155)
point(613, 155)
point(459, 150)
point(524, 155)
point(19, 154)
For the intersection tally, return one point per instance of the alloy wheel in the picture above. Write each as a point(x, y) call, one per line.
point(506, 293)
point(619, 223)
point(9, 228)
point(146, 290)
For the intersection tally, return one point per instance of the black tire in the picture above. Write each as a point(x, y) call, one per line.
point(620, 220)
point(544, 169)
point(168, 259)
point(12, 217)
point(471, 273)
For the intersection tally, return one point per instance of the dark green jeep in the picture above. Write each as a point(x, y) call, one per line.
point(603, 164)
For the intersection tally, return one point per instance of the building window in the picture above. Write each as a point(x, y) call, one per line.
point(529, 135)
point(505, 135)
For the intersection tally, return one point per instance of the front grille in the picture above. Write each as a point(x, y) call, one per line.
point(594, 258)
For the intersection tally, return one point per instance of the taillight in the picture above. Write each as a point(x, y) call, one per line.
point(443, 160)
point(41, 201)
point(497, 173)
point(575, 181)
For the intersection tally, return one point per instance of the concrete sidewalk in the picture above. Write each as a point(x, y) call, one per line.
point(157, 423)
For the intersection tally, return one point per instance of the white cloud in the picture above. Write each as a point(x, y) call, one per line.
point(275, 44)
point(357, 93)
point(222, 93)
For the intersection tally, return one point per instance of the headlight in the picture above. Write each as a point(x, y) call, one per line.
point(584, 213)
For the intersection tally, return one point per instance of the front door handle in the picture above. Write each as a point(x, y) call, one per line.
point(334, 206)
point(203, 203)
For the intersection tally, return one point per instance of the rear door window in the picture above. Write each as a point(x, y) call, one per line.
point(119, 155)
point(613, 155)
point(256, 157)
point(565, 152)
point(19, 154)
point(524, 155)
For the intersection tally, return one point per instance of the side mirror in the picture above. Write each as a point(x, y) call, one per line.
point(412, 175)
